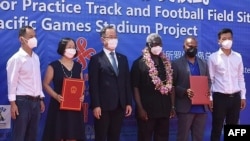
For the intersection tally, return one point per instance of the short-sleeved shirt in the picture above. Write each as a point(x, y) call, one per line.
point(155, 104)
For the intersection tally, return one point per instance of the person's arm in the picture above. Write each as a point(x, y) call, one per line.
point(12, 69)
point(241, 80)
point(93, 69)
point(211, 78)
point(137, 98)
point(141, 112)
point(135, 81)
point(13, 66)
point(179, 90)
point(211, 73)
point(242, 84)
point(39, 81)
point(128, 85)
point(128, 99)
point(46, 84)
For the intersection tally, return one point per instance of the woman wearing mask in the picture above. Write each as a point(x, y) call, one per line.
point(63, 125)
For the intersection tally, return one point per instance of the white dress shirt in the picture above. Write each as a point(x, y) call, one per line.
point(226, 73)
point(23, 75)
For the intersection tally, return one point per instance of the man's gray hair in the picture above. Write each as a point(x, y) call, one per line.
point(154, 38)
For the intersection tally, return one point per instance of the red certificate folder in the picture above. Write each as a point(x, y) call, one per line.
point(72, 90)
point(199, 85)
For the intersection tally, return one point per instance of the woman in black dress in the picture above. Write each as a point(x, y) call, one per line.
point(63, 125)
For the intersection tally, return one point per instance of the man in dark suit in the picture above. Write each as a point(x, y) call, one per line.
point(109, 87)
point(191, 118)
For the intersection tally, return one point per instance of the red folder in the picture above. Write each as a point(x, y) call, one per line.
point(72, 90)
point(199, 85)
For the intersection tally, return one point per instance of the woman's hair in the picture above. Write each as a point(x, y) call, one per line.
point(62, 45)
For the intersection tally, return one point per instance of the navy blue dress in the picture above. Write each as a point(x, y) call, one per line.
point(63, 124)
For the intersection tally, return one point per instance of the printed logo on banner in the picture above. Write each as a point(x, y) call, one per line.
point(84, 53)
point(5, 117)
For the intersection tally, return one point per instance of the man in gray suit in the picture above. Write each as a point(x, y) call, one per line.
point(191, 118)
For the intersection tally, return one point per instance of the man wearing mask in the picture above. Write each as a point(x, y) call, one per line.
point(109, 88)
point(190, 118)
point(151, 77)
point(228, 84)
point(25, 88)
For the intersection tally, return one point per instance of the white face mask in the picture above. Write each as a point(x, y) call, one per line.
point(70, 52)
point(227, 44)
point(156, 50)
point(32, 42)
point(112, 43)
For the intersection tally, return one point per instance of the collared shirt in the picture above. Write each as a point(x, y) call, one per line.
point(107, 52)
point(226, 73)
point(23, 75)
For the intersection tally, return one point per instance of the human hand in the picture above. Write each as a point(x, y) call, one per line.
point(142, 114)
point(243, 104)
point(82, 98)
point(97, 112)
point(172, 113)
point(208, 93)
point(190, 93)
point(59, 98)
point(128, 111)
point(211, 106)
point(42, 106)
point(14, 110)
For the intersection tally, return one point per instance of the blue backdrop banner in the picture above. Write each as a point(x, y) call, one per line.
point(134, 20)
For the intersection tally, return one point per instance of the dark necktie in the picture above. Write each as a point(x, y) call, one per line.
point(113, 62)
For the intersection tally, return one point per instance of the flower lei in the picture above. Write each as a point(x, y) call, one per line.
point(153, 73)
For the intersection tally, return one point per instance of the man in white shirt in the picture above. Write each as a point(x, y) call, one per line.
point(24, 88)
point(228, 84)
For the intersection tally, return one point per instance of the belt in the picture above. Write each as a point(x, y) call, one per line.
point(28, 97)
point(227, 94)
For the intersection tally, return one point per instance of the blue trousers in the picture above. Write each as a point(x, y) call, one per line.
point(25, 126)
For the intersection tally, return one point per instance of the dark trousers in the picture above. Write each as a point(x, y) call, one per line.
point(191, 124)
point(108, 127)
point(226, 108)
point(25, 126)
point(154, 129)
